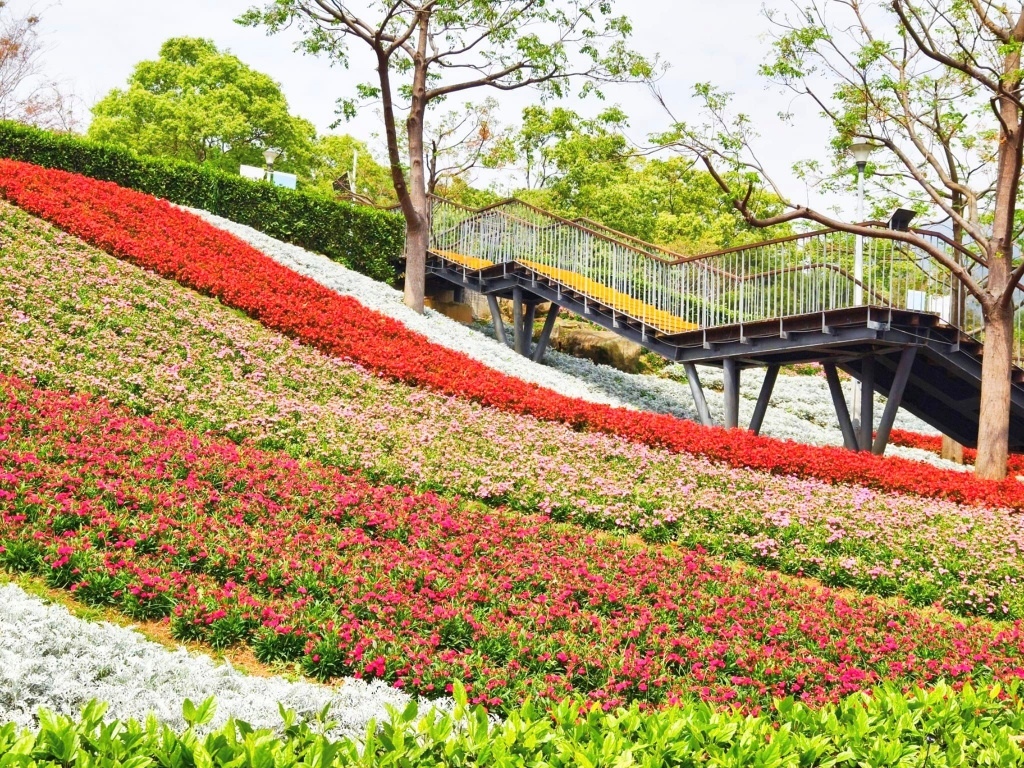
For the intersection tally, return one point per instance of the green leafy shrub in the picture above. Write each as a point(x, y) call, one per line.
point(367, 240)
point(937, 727)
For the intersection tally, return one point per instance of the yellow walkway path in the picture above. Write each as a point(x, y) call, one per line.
point(616, 300)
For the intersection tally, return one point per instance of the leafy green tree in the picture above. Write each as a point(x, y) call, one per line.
point(535, 144)
point(424, 51)
point(587, 168)
point(204, 105)
point(331, 168)
point(460, 191)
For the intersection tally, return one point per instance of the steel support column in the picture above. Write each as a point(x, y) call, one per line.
point(763, 398)
point(545, 335)
point(842, 411)
point(731, 369)
point(698, 394)
point(867, 403)
point(528, 317)
point(517, 321)
point(499, 326)
point(892, 405)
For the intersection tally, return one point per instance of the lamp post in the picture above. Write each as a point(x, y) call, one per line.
point(861, 151)
point(270, 155)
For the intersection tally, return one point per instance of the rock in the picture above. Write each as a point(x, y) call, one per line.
point(603, 347)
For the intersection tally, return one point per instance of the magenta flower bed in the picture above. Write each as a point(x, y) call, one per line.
point(302, 562)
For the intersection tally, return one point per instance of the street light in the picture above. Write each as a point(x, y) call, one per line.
point(270, 155)
point(861, 151)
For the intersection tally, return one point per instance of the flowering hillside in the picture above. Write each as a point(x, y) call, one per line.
point(305, 563)
point(145, 343)
point(176, 244)
point(306, 480)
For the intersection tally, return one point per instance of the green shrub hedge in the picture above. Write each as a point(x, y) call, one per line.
point(935, 728)
point(364, 239)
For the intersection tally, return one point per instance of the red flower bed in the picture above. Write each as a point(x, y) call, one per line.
point(156, 235)
point(305, 563)
point(933, 443)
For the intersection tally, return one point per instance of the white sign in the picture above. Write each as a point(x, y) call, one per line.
point(284, 179)
point(252, 172)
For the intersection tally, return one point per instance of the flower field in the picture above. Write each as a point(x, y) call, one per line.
point(306, 563)
point(226, 373)
point(801, 408)
point(176, 244)
point(263, 463)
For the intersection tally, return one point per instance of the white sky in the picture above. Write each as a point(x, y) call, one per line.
point(95, 43)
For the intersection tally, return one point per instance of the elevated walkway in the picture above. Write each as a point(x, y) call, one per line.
point(793, 300)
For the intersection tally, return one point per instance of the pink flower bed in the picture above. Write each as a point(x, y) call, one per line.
point(303, 562)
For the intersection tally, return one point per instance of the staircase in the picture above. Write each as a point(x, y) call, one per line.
point(804, 298)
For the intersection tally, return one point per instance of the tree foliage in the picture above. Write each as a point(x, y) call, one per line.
point(331, 170)
point(587, 167)
point(424, 51)
point(198, 103)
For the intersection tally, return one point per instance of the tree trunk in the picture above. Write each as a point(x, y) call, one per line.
point(952, 450)
point(417, 225)
point(994, 424)
point(417, 240)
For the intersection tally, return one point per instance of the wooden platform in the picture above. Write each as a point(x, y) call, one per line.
point(620, 303)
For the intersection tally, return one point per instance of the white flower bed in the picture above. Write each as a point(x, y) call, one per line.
point(386, 300)
point(49, 658)
point(801, 407)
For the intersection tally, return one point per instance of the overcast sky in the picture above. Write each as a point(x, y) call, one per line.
point(95, 43)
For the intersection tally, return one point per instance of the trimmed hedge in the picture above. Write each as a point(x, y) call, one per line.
point(941, 727)
point(367, 240)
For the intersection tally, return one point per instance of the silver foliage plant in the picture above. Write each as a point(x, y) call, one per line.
point(49, 658)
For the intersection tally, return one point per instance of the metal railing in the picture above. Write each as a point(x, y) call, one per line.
point(797, 275)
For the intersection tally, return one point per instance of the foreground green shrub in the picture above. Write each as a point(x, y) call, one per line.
point(362, 238)
point(935, 728)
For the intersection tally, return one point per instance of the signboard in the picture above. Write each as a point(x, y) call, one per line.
point(287, 180)
point(252, 172)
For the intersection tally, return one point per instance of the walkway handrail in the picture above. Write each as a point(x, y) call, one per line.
point(795, 274)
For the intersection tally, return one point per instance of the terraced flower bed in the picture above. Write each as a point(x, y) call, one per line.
point(307, 564)
point(175, 244)
point(75, 318)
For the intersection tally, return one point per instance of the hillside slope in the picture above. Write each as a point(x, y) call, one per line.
point(76, 318)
